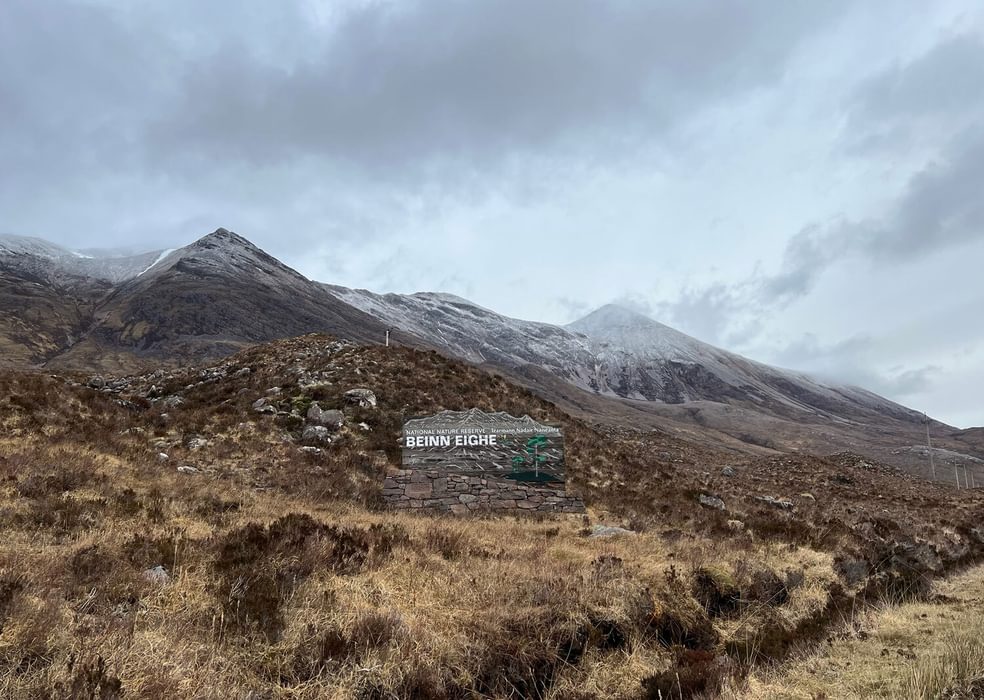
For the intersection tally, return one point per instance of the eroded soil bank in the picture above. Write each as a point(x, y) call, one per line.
point(932, 648)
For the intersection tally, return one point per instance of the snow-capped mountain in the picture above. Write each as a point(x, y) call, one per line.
point(615, 352)
point(644, 359)
point(221, 293)
point(478, 335)
point(39, 258)
point(206, 299)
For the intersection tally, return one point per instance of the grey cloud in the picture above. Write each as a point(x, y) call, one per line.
point(717, 313)
point(940, 207)
point(394, 85)
point(573, 309)
point(938, 91)
point(635, 302)
point(855, 361)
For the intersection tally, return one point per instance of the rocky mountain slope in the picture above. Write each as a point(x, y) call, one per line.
point(221, 293)
point(623, 367)
point(207, 299)
point(617, 352)
point(65, 268)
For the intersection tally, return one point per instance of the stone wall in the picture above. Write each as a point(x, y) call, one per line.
point(444, 491)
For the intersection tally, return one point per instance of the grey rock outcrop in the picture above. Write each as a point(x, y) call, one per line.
point(710, 501)
point(316, 435)
point(331, 418)
point(361, 397)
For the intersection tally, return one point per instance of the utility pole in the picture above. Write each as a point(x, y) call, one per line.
point(929, 444)
point(387, 337)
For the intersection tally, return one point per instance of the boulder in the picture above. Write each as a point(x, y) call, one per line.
point(361, 397)
point(777, 502)
point(157, 575)
point(710, 501)
point(172, 402)
point(728, 471)
point(316, 434)
point(608, 531)
point(196, 443)
point(187, 469)
point(332, 419)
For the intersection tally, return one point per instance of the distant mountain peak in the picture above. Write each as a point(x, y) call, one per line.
point(223, 238)
point(30, 245)
point(614, 315)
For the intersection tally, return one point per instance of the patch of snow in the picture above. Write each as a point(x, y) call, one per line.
point(164, 254)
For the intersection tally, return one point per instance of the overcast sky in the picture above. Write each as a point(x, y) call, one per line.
point(801, 182)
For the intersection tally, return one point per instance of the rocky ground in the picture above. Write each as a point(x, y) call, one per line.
point(217, 531)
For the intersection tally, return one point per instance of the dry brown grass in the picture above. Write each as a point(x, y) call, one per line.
point(274, 593)
point(286, 580)
point(920, 649)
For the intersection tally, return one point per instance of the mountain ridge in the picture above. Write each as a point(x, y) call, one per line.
point(222, 293)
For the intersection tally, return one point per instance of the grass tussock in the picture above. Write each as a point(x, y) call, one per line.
point(922, 648)
point(272, 593)
point(956, 670)
point(170, 541)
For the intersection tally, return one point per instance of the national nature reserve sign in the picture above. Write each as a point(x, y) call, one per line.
point(482, 444)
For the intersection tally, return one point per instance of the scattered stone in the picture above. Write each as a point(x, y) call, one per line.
point(259, 403)
point(608, 531)
point(162, 457)
point(736, 525)
point(188, 469)
point(197, 443)
point(157, 575)
point(274, 391)
point(311, 450)
point(361, 397)
point(710, 501)
point(728, 471)
point(777, 502)
point(365, 427)
point(332, 419)
point(316, 434)
point(244, 372)
point(96, 382)
point(172, 402)
point(808, 496)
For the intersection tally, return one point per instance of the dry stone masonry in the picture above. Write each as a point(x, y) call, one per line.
point(441, 490)
point(472, 461)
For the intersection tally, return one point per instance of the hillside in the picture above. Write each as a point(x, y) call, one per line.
point(67, 310)
point(205, 300)
point(179, 515)
point(624, 368)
